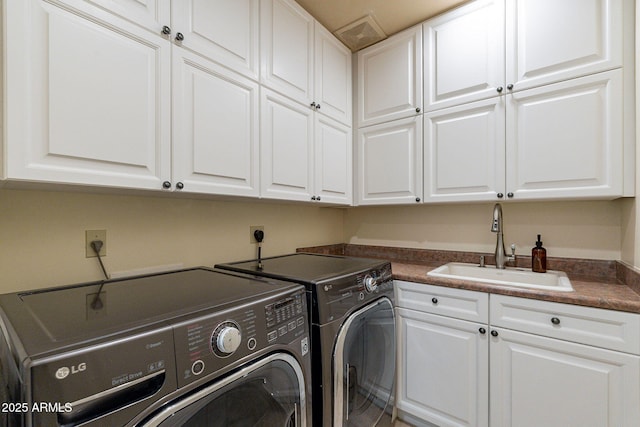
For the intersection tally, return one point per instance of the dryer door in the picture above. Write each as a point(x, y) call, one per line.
point(270, 392)
point(364, 365)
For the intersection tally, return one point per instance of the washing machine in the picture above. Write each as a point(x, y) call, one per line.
point(353, 334)
point(193, 347)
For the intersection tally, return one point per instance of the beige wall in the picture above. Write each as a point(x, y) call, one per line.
point(42, 233)
point(569, 229)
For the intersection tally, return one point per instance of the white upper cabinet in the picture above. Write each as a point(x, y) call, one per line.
point(333, 161)
point(550, 41)
point(491, 47)
point(464, 152)
point(306, 104)
point(150, 14)
point(558, 141)
point(286, 148)
point(287, 49)
point(88, 97)
point(333, 94)
point(555, 123)
point(303, 61)
point(463, 55)
point(565, 140)
point(215, 128)
point(390, 78)
point(390, 162)
point(305, 156)
point(225, 31)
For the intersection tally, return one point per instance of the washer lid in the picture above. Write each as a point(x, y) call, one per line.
point(306, 268)
point(57, 317)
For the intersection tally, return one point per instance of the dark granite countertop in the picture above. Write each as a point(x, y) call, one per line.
point(601, 284)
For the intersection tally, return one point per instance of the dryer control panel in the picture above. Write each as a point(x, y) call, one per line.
point(216, 342)
point(335, 298)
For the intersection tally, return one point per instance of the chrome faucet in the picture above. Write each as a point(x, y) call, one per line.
point(496, 227)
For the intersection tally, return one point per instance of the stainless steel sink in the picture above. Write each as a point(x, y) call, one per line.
point(517, 277)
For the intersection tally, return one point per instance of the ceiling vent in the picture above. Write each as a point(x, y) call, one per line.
point(361, 33)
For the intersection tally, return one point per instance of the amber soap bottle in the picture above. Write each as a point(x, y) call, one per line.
point(539, 258)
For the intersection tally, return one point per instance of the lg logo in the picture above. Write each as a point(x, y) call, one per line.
point(64, 372)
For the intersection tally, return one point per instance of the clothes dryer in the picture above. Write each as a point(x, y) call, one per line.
point(353, 332)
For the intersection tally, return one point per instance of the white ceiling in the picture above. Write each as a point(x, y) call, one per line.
point(391, 15)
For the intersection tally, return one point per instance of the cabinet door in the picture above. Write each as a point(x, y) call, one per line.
point(225, 31)
point(333, 161)
point(565, 140)
point(287, 49)
point(443, 370)
point(390, 78)
point(88, 100)
point(333, 92)
point(150, 14)
point(464, 55)
point(464, 152)
point(538, 381)
point(215, 128)
point(286, 148)
point(550, 41)
point(390, 162)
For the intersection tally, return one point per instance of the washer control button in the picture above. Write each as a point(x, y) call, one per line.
point(198, 367)
point(251, 343)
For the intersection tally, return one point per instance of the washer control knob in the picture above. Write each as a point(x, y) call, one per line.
point(225, 339)
point(370, 283)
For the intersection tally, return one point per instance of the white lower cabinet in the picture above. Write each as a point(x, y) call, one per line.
point(443, 375)
point(527, 363)
point(538, 381)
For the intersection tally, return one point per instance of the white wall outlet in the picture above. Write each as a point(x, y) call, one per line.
point(90, 236)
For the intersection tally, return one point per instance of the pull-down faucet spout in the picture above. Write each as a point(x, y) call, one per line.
point(496, 227)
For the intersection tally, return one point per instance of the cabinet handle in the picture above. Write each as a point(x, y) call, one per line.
point(510, 195)
point(510, 86)
point(318, 198)
point(499, 89)
point(500, 195)
point(555, 320)
point(166, 30)
point(494, 333)
point(179, 186)
point(313, 197)
point(434, 300)
point(418, 199)
point(166, 185)
point(317, 106)
point(482, 331)
point(418, 110)
point(179, 37)
point(313, 105)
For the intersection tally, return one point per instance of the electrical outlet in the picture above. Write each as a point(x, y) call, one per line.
point(252, 230)
point(90, 236)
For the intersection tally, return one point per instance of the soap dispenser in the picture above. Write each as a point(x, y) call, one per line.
point(539, 258)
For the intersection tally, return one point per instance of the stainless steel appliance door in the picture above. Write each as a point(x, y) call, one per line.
point(364, 365)
point(269, 393)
